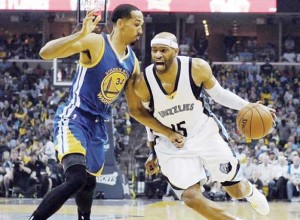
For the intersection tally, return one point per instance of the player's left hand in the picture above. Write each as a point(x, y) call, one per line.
point(151, 165)
point(272, 111)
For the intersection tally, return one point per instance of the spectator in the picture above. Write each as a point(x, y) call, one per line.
point(49, 150)
point(39, 176)
point(21, 177)
point(266, 69)
point(272, 147)
point(267, 175)
point(256, 181)
point(284, 132)
point(273, 159)
point(293, 184)
point(4, 66)
point(241, 155)
point(248, 168)
point(281, 170)
point(8, 177)
point(266, 97)
point(5, 165)
point(184, 48)
point(289, 44)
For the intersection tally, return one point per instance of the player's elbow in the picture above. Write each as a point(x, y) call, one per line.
point(135, 112)
point(44, 54)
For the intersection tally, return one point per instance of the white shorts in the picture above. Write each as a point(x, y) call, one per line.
point(206, 148)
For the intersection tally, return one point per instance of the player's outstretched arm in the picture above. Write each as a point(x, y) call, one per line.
point(136, 93)
point(202, 74)
point(74, 43)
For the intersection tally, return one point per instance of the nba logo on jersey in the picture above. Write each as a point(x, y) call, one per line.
point(225, 167)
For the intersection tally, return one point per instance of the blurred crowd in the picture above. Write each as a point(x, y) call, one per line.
point(23, 46)
point(246, 49)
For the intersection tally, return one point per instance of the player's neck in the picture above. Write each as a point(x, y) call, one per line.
point(170, 74)
point(119, 45)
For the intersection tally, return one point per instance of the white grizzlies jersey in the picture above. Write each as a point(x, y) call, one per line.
point(181, 110)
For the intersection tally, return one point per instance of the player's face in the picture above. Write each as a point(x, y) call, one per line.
point(162, 57)
point(133, 27)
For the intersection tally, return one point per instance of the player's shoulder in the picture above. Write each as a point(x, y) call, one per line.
point(140, 80)
point(199, 63)
point(140, 87)
point(201, 70)
point(95, 39)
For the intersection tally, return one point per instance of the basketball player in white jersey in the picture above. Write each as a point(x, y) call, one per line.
point(172, 89)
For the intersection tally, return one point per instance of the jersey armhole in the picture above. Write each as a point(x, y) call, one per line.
point(151, 102)
point(136, 64)
point(195, 89)
point(98, 58)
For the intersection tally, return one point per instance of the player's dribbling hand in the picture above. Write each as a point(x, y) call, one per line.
point(151, 165)
point(90, 22)
point(272, 111)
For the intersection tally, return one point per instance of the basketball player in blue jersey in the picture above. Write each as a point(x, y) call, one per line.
point(107, 65)
point(172, 89)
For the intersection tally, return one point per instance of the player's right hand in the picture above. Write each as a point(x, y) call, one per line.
point(177, 139)
point(90, 22)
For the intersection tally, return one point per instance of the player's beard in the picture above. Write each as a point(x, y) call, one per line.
point(136, 40)
point(133, 43)
point(167, 65)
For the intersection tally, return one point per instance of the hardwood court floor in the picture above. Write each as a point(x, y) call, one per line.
point(20, 209)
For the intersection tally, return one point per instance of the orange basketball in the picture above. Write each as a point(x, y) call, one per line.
point(254, 121)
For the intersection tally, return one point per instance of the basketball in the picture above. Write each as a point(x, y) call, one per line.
point(254, 121)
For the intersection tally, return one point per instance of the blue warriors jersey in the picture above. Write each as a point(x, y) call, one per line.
point(95, 87)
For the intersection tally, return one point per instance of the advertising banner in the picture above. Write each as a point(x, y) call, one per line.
point(242, 6)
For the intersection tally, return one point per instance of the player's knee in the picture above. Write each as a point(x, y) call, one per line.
point(76, 176)
point(191, 195)
point(90, 184)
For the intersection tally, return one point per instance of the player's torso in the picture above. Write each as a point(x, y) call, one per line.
point(95, 87)
point(181, 110)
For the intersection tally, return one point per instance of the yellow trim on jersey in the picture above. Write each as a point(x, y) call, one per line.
point(171, 96)
point(98, 173)
point(136, 64)
point(113, 48)
point(98, 58)
point(72, 145)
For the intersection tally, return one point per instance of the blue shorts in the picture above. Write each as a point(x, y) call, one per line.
point(79, 132)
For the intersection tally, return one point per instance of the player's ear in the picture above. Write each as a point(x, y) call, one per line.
point(120, 23)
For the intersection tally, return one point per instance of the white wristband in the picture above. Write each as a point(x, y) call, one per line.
point(226, 97)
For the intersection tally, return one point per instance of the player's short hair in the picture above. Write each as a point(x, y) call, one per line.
point(123, 11)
